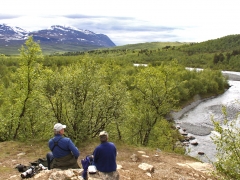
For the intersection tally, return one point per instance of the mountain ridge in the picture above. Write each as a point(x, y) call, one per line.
point(53, 39)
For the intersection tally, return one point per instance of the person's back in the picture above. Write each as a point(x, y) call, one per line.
point(63, 153)
point(105, 158)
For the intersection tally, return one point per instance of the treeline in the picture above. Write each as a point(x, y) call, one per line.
point(219, 54)
point(223, 44)
point(91, 93)
point(222, 53)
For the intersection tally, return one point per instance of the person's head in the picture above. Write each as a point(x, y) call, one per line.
point(103, 136)
point(59, 128)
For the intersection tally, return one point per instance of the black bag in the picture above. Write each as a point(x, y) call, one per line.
point(21, 168)
point(42, 161)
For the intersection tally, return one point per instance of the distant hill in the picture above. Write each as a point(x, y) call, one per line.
point(55, 39)
point(224, 44)
point(149, 45)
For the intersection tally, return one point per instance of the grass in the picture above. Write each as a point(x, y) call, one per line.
point(165, 164)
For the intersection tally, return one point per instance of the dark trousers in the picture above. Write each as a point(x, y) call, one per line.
point(49, 159)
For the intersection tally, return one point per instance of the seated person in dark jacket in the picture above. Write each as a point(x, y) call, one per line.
point(105, 158)
point(64, 153)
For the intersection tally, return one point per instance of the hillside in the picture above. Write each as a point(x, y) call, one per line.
point(219, 54)
point(166, 165)
point(224, 44)
point(149, 45)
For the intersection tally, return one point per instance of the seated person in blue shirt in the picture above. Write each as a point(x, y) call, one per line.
point(105, 158)
point(64, 153)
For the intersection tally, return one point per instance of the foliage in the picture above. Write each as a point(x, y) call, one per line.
point(164, 136)
point(153, 97)
point(20, 101)
point(150, 46)
point(228, 144)
point(227, 43)
point(88, 99)
point(99, 90)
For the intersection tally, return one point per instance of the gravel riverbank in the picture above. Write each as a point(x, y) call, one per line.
point(203, 129)
point(200, 130)
point(195, 119)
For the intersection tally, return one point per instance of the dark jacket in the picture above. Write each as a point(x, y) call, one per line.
point(105, 157)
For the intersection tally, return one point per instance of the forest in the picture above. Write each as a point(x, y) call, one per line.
point(101, 89)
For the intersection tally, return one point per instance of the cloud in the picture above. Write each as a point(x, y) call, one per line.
point(139, 28)
point(129, 21)
point(7, 16)
point(132, 37)
point(121, 30)
point(115, 23)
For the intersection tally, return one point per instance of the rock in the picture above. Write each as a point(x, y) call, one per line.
point(94, 176)
point(158, 150)
point(67, 174)
point(195, 143)
point(191, 137)
point(184, 133)
point(134, 157)
point(178, 127)
point(59, 174)
point(149, 174)
point(119, 166)
point(146, 167)
point(185, 143)
point(199, 166)
point(201, 153)
point(21, 154)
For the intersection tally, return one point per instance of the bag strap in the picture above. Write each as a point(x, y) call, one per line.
point(56, 144)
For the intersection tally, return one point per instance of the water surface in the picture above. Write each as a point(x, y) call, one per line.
point(197, 121)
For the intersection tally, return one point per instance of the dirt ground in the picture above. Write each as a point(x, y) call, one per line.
point(166, 166)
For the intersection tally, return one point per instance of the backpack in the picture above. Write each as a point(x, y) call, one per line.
point(86, 163)
point(42, 161)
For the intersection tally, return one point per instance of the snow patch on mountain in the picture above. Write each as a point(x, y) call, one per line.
point(56, 34)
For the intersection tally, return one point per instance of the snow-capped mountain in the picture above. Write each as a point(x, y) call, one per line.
point(61, 34)
point(9, 33)
point(55, 37)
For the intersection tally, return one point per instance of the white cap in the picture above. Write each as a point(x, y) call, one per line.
point(103, 133)
point(59, 127)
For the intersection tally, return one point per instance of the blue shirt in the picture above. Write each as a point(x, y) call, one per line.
point(105, 157)
point(65, 146)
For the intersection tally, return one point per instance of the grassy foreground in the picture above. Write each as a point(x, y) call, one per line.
point(166, 165)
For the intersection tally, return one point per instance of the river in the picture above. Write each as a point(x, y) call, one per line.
point(196, 119)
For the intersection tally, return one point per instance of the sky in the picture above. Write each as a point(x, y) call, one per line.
point(129, 21)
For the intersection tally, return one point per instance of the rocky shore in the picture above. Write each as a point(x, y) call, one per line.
point(202, 130)
point(191, 128)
